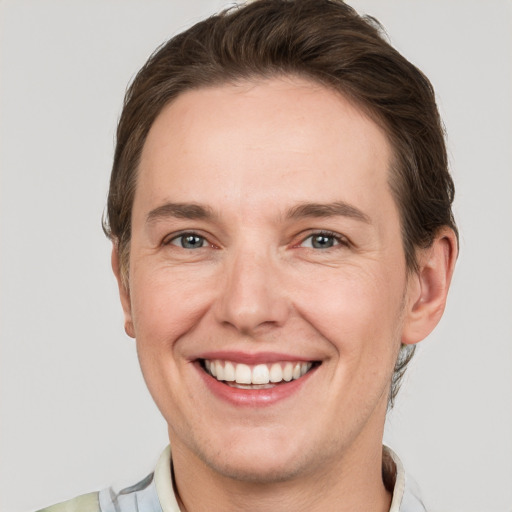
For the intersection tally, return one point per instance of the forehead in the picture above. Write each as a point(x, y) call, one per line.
point(282, 137)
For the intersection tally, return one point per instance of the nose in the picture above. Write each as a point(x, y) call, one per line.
point(252, 297)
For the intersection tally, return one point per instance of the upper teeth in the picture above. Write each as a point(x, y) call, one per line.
point(256, 374)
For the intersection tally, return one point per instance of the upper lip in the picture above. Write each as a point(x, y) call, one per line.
point(251, 358)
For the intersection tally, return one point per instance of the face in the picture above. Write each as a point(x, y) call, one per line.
point(267, 277)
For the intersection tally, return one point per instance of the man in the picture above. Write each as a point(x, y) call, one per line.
point(280, 211)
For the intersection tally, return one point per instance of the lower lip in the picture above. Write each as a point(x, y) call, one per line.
point(253, 397)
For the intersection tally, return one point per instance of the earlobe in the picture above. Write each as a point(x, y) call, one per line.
point(428, 287)
point(124, 292)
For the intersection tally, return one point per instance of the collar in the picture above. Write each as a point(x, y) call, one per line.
point(164, 482)
point(406, 495)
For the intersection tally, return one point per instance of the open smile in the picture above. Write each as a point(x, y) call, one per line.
point(259, 384)
point(259, 376)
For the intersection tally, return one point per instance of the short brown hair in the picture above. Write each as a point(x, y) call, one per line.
point(322, 40)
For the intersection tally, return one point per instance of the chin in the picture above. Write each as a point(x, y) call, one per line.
point(263, 470)
point(254, 458)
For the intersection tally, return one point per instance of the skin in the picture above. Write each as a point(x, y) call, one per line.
point(250, 154)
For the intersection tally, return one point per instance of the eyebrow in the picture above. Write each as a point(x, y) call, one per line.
point(179, 211)
point(336, 209)
point(300, 211)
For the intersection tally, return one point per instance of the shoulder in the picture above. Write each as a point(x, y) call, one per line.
point(85, 503)
point(141, 497)
point(149, 495)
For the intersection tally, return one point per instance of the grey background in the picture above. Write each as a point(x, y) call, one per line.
point(75, 413)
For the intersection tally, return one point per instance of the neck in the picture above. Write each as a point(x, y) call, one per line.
point(352, 481)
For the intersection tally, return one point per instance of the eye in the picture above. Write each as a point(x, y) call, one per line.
point(323, 240)
point(189, 241)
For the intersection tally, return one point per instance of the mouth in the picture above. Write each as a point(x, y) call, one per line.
point(258, 376)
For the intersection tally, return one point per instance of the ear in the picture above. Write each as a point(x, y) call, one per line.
point(428, 287)
point(124, 292)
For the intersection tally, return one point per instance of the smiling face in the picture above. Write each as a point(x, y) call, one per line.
point(266, 250)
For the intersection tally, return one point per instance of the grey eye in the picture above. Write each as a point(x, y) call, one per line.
point(189, 241)
point(320, 241)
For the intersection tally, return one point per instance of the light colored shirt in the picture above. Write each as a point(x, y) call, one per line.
point(156, 493)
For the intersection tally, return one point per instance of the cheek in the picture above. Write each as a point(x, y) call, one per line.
point(167, 304)
point(356, 310)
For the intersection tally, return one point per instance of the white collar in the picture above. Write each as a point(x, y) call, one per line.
point(164, 482)
point(406, 495)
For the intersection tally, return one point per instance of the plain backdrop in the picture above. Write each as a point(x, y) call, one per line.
point(75, 413)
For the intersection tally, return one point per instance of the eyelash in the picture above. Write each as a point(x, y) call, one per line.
point(168, 241)
point(339, 239)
